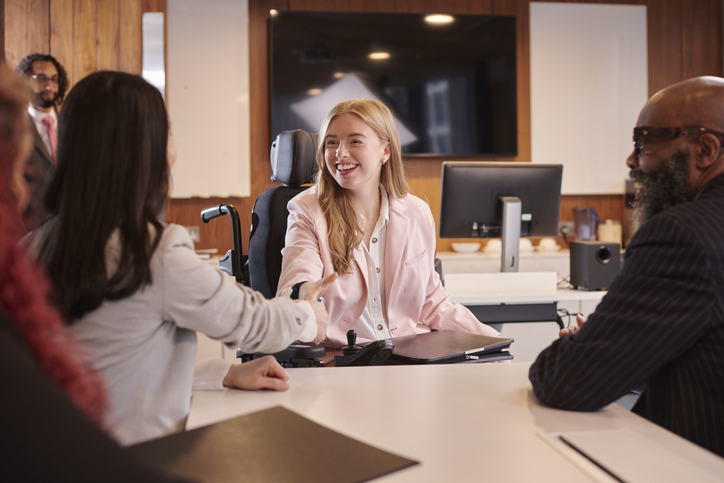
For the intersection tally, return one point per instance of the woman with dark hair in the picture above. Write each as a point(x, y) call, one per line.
point(52, 403)
point(132, 287)
point(360, 221)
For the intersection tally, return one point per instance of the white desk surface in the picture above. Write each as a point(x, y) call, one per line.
point(476, 422)
point(494, 298)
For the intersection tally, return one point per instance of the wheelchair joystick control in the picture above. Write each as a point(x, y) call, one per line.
point(372, 354)
point(352, 347)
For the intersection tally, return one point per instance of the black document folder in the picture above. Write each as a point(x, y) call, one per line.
point(274, 445)
point(449, 347)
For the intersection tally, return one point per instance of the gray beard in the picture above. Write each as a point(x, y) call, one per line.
point(663, 188)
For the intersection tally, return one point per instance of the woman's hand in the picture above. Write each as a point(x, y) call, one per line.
point(573, 329)
point(264, 373)
point(312, 292)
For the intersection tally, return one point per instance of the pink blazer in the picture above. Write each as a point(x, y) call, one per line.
point(415, 299)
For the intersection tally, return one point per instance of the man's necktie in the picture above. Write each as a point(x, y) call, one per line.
point(53, 135)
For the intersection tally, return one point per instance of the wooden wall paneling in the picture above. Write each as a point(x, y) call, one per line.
point(131, 37)
point(259, 91)
point(665, 47)
point(155, 6)
point(16, 31)
point(216, 233)
point(61, 35)
point(664, 40)
point(84, 38)
point(2, 30)
point(479, 7)
point(38, 26)
point(521, 10)
point(701, 22)
point(107, 33)
point(607, 206)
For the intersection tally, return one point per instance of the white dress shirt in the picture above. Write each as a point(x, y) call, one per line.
point(42, 129)
point(372, 324)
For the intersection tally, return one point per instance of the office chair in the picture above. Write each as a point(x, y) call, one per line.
point(293, 164)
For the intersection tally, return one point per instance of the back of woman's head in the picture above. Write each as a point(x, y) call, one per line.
point(112, 175)
point(112, 139)
point(23, 287)
point(379, 118)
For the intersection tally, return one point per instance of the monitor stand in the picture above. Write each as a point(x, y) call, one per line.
point(512, 211)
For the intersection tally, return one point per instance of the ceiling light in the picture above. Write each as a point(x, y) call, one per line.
point(439, 19)
point(379, 55)
point(314, 91)
point(338, 75)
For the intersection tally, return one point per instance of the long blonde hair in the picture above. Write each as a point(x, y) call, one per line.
point(344, 232)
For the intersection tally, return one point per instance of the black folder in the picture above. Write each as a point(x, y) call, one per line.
point(449, 347)
point(274, 445)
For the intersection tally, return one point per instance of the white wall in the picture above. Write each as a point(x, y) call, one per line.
point(208, 96)
point(589, 80)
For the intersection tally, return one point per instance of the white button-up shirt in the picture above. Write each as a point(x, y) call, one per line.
point(42, 129)
point(372, 324)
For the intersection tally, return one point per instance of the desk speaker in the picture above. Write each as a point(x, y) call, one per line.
point(594, 264)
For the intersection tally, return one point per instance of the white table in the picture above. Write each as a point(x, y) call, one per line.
point(493, 298)
point(463, 423)
point(481, 261)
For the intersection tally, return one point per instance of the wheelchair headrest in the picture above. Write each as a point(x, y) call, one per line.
point(293, 158)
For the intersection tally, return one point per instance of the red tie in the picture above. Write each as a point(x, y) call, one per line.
point(52, 135)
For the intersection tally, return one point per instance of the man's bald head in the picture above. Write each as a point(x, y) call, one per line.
point(693, 102)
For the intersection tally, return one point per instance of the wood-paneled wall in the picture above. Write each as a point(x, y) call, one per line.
point(84, 35)
point(684, 40)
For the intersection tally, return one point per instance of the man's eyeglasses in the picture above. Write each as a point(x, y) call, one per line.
point(42, 79)
point(643, 134)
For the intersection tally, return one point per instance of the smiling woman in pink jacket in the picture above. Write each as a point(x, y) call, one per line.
point(359, 221)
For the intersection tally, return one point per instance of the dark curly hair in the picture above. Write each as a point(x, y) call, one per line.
point(25, 69)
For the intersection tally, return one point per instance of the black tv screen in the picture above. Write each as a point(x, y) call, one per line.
point(451, 87)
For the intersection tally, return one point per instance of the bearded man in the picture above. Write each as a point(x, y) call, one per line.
point(49, 83)
point(661, 325)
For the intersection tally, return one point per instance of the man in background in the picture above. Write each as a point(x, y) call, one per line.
point(662, 322)
point(49, 83)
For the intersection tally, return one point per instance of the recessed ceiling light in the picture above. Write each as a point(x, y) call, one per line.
point(338, 75)
point(273, 12)
point(314, 91)
point(379, 55)
point(439, 19)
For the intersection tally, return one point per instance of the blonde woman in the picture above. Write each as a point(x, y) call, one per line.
point(360, 221)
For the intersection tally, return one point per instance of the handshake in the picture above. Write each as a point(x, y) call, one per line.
point(312, 292)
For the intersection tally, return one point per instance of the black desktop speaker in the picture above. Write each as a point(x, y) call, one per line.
point(594, 264)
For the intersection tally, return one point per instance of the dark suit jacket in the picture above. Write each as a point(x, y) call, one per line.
point(38, 171)
point(45, 437)
point(661, 323)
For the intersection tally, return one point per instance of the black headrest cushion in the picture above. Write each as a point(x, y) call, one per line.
point(293, 158)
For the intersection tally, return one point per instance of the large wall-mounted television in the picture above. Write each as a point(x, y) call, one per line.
point(451, 86)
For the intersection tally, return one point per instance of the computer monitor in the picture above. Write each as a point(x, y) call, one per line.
point(506, 200)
